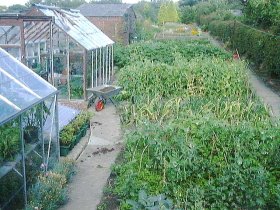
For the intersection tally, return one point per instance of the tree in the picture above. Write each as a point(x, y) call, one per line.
point(16, 8)
point(3, 8)
point(105, 1)
point(60, 3)
point(265, 13)
point(173, 14)
point(183, 3)
point(162, 14)
point(146, 11)
point(30, 2)
point(168, 13)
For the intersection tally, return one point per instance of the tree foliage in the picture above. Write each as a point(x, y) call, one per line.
point(105, 1)
point(146, 11)
point(188, 2)
point(167, 13)
point(264, 13)
point(16, 8)
point(60, 3)
point(3, 8)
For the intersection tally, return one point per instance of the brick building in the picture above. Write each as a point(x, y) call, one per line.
point(116, 20)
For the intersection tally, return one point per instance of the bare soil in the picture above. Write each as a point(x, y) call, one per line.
point(107, 89)
point(79, 105)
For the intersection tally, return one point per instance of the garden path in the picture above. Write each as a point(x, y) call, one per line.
point(93, 165)
point(269, 97)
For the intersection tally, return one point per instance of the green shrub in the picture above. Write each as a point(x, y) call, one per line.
point(187, 14)
point(215, 16)
point(261, 48)
point(193, 13)
point(264, 13)
point(50, 191)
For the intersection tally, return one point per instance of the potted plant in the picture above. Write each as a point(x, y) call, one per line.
point(67, 139)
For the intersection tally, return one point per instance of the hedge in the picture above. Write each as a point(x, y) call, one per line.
point(261, 48)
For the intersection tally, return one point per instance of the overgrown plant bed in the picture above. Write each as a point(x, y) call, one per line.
point(199, 136)
point(72, 133)
point(49, 192)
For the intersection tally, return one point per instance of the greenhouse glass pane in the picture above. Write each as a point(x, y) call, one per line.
point(20, 87)
point(16, 92)
point(6, 110)
point(78, 27)
point(24, 75)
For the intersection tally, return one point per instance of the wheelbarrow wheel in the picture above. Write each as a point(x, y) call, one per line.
point(99, 105)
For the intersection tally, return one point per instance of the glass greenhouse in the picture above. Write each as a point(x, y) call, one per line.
point(61, 46)
point(28, 129)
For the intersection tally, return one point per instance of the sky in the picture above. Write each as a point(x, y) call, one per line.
point(11, 2)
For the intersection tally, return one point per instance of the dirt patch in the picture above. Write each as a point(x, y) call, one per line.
point(109, 200)
point(79, 105)
point(103, 150)
point(107, 89)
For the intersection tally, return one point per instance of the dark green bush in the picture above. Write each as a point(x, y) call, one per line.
point(187, 14)
point(193, 13)
point(261, 48)
point(220, 15)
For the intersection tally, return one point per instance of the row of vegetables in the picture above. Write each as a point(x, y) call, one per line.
point(197, 132)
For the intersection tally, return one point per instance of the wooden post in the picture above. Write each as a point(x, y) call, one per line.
point(22, 43)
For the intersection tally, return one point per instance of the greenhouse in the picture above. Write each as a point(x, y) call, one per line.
point(62, 46)
point(28, 130)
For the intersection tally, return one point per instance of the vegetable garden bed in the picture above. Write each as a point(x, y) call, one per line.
point(201, 137)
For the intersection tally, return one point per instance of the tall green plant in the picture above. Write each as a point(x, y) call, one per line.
point(201, 135)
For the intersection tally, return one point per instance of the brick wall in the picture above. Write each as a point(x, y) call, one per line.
point(119, 29)
point(112, 27)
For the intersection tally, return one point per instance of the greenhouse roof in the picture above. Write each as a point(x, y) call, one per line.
point(77, 27)
point(20, 87)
